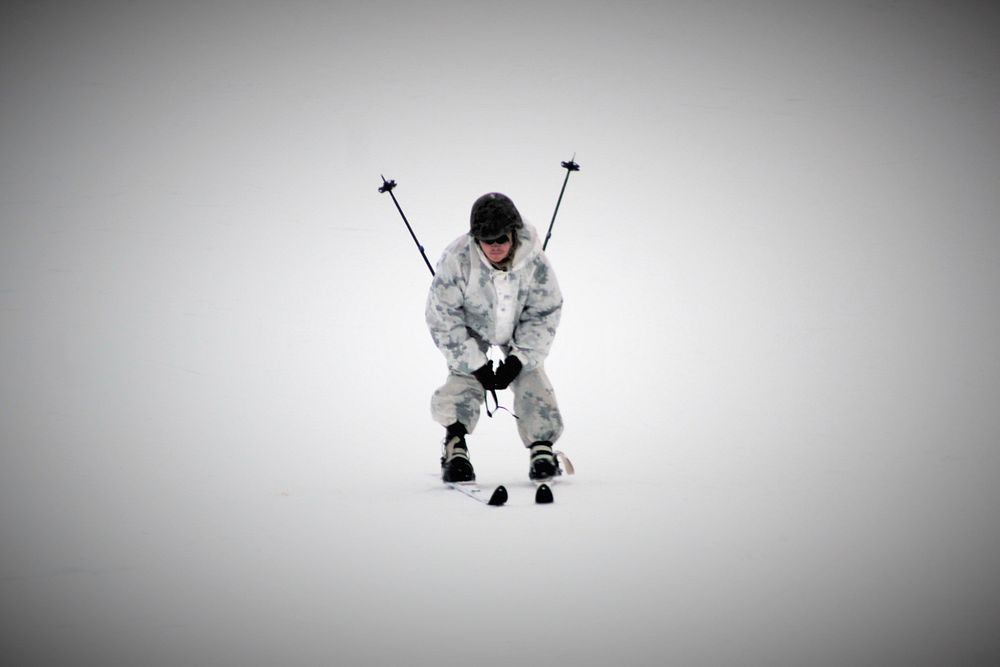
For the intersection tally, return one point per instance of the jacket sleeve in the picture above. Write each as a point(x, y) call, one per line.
point(445, 315)
point(536, 327)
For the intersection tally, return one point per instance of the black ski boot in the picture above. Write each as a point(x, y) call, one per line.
point(543, 461)
point(455, 463)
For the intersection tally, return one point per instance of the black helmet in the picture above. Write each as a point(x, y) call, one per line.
point(493, 214)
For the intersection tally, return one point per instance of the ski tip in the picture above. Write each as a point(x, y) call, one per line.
point(543, 494)
point(499, 496)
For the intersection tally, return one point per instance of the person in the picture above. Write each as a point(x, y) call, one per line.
point(494, 286)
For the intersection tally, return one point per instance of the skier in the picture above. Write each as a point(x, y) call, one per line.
point(495, 287)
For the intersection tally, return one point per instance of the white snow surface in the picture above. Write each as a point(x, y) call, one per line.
point(778, 360)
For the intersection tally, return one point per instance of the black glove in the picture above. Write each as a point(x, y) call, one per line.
point(486, 376)
point(507, 371)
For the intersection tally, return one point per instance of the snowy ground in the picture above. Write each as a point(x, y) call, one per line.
point(778, 360)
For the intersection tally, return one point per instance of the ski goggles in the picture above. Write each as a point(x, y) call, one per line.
point(497, 241)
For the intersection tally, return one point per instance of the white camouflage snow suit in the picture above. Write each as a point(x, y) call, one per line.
point(471, 306)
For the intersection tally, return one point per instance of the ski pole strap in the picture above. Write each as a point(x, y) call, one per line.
point(496, 403)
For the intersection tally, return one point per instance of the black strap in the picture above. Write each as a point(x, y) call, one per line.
point(496, 402)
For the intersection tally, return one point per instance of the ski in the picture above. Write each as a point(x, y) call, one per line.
point(477, 492)
point(543, 494)
point(498, 497)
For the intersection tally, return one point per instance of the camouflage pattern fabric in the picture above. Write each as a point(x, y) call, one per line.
point(460, 400)
point(471, 306)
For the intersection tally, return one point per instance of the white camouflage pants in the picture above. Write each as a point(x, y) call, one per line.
point(461, 397)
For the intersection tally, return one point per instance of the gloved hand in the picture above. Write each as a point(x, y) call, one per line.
point(507, 371)
point(486, 376)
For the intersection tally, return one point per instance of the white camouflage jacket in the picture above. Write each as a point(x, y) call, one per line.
point(472, 305)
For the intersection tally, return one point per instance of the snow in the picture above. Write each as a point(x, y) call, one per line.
point(777, 361)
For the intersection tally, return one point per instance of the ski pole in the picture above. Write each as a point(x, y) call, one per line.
point(570, 167)
point(387, 186)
